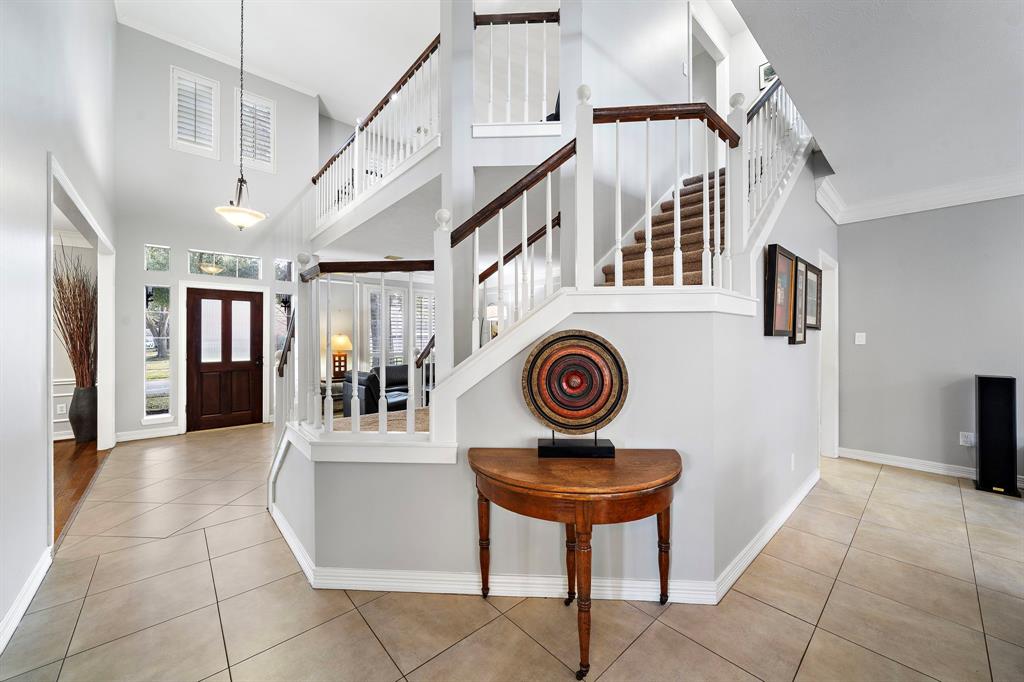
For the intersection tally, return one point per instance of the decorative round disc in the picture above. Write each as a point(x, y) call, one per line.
point(574, 381)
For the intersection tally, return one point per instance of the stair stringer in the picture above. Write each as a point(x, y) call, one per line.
point(565, 302)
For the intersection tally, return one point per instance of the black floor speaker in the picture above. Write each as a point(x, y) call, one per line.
point(996, 428)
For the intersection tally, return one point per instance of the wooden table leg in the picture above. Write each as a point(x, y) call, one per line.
point(583, 530)
point(570, 561)
point(664, 519)
point(483, 510)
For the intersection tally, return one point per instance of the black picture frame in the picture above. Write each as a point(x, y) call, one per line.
point(813, 297)
point(799, 333)
point(766, 75)
point(779, 290)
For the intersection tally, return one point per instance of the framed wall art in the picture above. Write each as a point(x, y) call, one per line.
point(799, 333)
point(766, 75)
point(813, 305)
point(779, 291)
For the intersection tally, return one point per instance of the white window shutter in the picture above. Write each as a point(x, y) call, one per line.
point(194, 109)
point(258, 131)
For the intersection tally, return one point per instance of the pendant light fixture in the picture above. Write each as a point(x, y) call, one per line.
point(235, 213)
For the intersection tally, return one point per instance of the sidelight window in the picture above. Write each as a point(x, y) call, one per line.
point(157, 344)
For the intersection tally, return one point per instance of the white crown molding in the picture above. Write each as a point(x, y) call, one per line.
point(21, 603)
point(984, 189)
point(211, 54)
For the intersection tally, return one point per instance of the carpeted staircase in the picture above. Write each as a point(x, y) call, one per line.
point(691, 239)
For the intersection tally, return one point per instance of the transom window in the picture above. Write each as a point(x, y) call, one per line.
point(224, 264)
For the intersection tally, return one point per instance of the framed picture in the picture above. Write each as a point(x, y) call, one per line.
point(766, 75)
point(813, 297)
point(779, 291)
point(799, 334)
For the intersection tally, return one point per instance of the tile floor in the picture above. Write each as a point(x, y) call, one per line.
point(173, 570)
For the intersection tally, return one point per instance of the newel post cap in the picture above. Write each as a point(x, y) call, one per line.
point(303, 258)
point(583, 93)
point(737, 100)
point(443, 218)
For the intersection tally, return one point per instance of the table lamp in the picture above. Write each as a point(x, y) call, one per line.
point(340, 345)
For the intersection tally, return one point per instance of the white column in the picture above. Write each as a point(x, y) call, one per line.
point(314, 346)
point(475, 331)
point(384, 331)
point(328, 363)
point(549, 277)
point(677, 253)
point(618, 206)
point(354, 404)
point(444, 334)
point(584, 190)
point(648, 249)
point(300, 309)
point(410, 355)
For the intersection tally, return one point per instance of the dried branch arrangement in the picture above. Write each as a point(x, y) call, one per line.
point(74, 313)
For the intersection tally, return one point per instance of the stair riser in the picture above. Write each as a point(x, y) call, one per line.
point(685, 214)
point(691, 199)
point(636, 265)
point(665, 231)
point(693, 180)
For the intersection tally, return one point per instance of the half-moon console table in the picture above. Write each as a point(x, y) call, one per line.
point(579, 493)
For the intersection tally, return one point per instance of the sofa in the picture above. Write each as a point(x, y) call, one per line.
point(368, 390)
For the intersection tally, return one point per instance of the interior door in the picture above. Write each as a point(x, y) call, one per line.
point(224, 358)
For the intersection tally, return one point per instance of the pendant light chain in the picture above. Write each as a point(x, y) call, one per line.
point(241, 86)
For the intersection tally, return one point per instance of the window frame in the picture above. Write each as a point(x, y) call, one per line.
point(145, 257)
point(200, 273)
point(181, 145)
point(253, 164)
point(291, 270)
point(168, 416)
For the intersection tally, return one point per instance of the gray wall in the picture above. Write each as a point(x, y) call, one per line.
point(166, 197)
point(332, 134)
point(56, 94)
point(940, 295)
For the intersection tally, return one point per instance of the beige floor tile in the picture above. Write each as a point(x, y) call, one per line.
point(164, 491)
point(759, 638)
point(797, 591)
point(661, 653)
point(215, 470)
point(222, 676)
point(949, 507)
point(497, 651)
point(825, 524)
point(256, 496)
point(850, 468)
point(218, 492)
point(651, 608)
point(832, 658)
point(162, 521)
point(223, 514)
point(1004, 513)
point(934, 593)
point(996, 573)
point(186, 648)
point(503, 604)
point(360, 597)
point(95, 520)
point(92, 546)
point(246, 532)
point(843, 486)
point(910, 547)
point(40, 638)
point(941, 487)
point(261, 618)
point(416, 627)
point(848, 505)
point(48, 673)
point(930, 524)
point(113, 487)
point(251, 472)
point(927, 643)
point(135, 606)
point(1005, 543)
point(143, 561)
point(807, 550)
point(67, 580)
point(1003, 615)
point(1007, 661)
point(251, 567)
point(341, 649)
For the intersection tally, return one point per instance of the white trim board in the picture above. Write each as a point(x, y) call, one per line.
point(909, 463)
point(21, 603)
point(141, 434)
point(984, 189)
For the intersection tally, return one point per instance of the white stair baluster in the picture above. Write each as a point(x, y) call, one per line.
point(508, 74)
point(716, 266)
point(328, 363)
point(530, 297)
point(618, 207)
point(526, 76)
point(354, 404)
point(517, 311)
point(705, 257)
point(501, 270)
point(677, 253)
point(524, 301)
point(475, 333)
point(727, 207)
point(648, 249)
point(549, 277)
point(490, 74)
point(384, 331)
point(410, 358)
point(544, 72)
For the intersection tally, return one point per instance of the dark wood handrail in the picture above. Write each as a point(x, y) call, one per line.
point(350, 267)
point(425, 353)
point(420, 61)
point(556, 222)
point(667, 112)
point(508, 196)
point(516, 18)
point(763, 99)
point(288, 338)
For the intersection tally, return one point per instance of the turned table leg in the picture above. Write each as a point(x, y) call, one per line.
point(664, 518)
point(570, 561)
point(583, 531)
point(483, 510)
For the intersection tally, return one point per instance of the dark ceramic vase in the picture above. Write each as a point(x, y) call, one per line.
point(82, 414)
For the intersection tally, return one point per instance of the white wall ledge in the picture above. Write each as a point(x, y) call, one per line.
point(522, 129)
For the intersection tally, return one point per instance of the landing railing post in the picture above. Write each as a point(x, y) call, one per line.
point(313, 346)
point(737, 213)
point(443, 292)
point(357, 162)
point(300, 305)
point(584, 190)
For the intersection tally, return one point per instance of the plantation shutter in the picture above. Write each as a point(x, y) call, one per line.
point(396, 339)
point(194, 110)
point(257, 129)
point(424, 321)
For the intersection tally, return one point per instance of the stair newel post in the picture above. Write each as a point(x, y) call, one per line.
point(677, 253)
point(383, 335)
point(737, 202)
point(618, 207)
point(354, 403)
point(705, 256)
point(549, 276)
point(301, 311)
point(524, 297)
point(314, 350)
point(444, 313)
point(475, 332)
point(716, 266)
point(584, 190)
point(501, 270)
point(410, 356)
point(648, 250)
point(328, 361)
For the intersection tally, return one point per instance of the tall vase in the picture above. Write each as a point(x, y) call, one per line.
point(82, 414)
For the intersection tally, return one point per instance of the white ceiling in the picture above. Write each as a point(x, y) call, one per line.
point(349, 52)
point(903, 97)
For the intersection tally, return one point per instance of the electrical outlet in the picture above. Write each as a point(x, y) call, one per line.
point(792, 461)
point(967, 439)
point(63, 409)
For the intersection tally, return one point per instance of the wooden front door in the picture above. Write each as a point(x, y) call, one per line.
point(224, 357)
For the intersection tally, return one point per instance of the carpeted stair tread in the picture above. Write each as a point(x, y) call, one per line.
point(694, 179)
point(687, 242)
point(690, 258)
point(686, 214)
point(685, 227)
point(690, 202)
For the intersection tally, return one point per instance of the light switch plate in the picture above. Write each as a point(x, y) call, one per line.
point(967, 439)
point(860, 338)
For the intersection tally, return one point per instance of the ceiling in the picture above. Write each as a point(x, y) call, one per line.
point(903, 97)
point(347, 52)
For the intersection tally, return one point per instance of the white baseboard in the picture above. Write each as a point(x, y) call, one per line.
point(909, 463)
point(140, 434)
point(515, 585)
point(21, 602)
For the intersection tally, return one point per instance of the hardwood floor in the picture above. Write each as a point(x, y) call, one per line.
point(74, 465)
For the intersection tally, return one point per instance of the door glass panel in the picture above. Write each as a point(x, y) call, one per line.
point(240, 330)
point(209, 335)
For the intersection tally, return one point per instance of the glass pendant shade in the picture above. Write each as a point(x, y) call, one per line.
point(238, 215)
